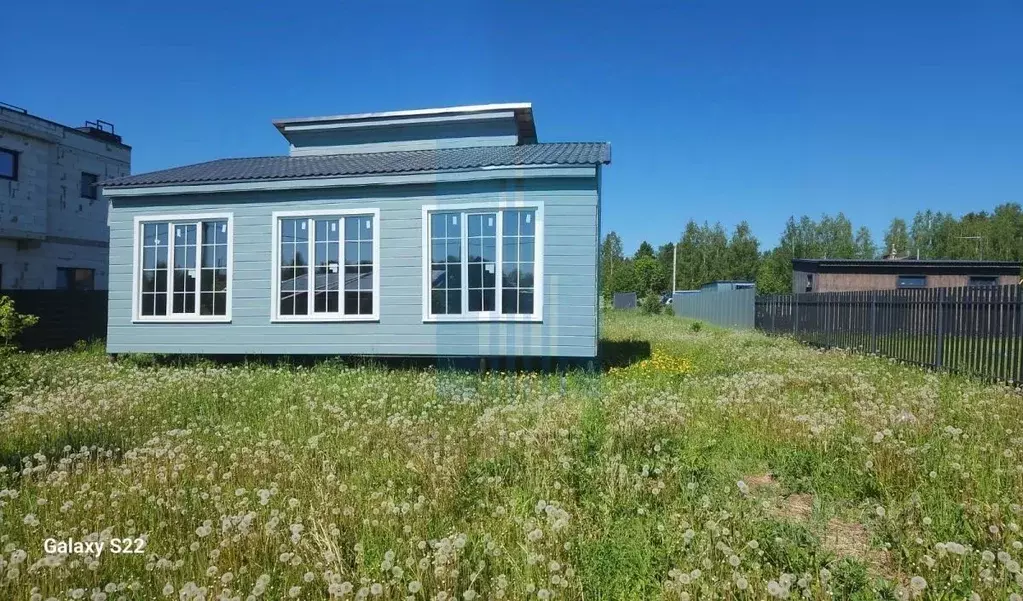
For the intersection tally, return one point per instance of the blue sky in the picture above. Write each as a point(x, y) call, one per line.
point(716, 111)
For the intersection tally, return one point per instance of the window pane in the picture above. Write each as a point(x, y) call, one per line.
point(475, 275)
point(511, 223)
point(489, 296)
point(509, 302)
point(438, 273)
point(510, 278)
point(366, 303)
point(527, 223)
point(510, 249)
point(366, 253)
point(149, 304)
point(454, 301)
point(454, 251)
point(437, 305)
point(161, 280)
point(206, 303)
point(351, 277)
point(526, 247)
point(438, 251)
point(475, 249)
point(489, 249)
point(526, 302)
point(351, 302)
point(351, 253)
point(526, 275)
point(454, 276)
point(489, 275)
point(220, 303)
point(454, 225)
point(475, 225)
point(148, 258)
point(475, 300)
point(160, 304)
point(438, 227)
point(148, 281)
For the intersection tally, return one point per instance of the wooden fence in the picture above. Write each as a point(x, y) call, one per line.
point(975, 330)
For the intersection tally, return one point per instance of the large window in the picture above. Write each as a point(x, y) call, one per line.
point(326, 266)
point(483, 262)
point(183, 268)
point(8, 164)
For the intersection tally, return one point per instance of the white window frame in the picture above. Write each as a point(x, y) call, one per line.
point(136, 267)
point(277, 216)
point(538, 262)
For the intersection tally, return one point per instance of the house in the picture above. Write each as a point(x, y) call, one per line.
point(53, 219)
point(840, 275)
point(439, 232)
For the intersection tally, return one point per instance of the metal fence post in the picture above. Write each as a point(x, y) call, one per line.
point(873, 322)
point(939, 346)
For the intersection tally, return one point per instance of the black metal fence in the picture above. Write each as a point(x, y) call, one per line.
point(65, 316)
point(975, 330)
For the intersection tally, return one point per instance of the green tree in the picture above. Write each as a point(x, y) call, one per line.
point(646, 275)
point(644, 250)
point(865, 247)
point(896, 238)
point(743, 254)
point(610, 257)
point(689, 257)
point(665, 258)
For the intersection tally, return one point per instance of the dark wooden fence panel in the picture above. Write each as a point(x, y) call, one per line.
point(976, 331)
point(65, 316)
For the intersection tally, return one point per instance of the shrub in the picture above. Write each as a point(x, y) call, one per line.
point(669, 310)
point(13, 323)
point(696, 326)
point(651, 304)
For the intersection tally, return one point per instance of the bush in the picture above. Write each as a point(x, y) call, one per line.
point(651, 304)
point(669, 310)
point(13, 323)
point(696, 326)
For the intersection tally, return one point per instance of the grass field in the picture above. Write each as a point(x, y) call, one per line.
point(726, 466)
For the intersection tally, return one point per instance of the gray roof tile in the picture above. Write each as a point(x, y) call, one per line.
point(339, 165)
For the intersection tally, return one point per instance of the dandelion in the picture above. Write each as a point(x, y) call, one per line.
point(294, 591)
point(743, 487)
point(917, 583)
point(415, 586)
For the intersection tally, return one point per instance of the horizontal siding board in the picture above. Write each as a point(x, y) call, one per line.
point(568, 328)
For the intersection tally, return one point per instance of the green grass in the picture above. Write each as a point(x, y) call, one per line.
point(279, 481)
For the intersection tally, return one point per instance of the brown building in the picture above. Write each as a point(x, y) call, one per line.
point(841, 275)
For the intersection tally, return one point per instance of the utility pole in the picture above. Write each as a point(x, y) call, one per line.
point(674, 268)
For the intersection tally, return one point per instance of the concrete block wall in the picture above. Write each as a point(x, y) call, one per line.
point(45, 222)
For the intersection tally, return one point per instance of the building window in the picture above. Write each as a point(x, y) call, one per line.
point(88, 185)
point(809, 282)
point(912, 281)
point(983, 281)
point(183, 268)
point(8, 164)
point(326, 266)
point(483, 263)
point(76, 278)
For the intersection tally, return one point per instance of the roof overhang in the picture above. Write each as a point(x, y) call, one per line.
point(521, 111)
point(398, 179)
point(908, 266)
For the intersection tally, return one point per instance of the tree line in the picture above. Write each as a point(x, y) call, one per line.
point(708, 252)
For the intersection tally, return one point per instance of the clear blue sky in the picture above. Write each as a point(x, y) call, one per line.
point(717, 111)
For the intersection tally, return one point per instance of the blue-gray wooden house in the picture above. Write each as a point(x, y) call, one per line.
point(442, 232)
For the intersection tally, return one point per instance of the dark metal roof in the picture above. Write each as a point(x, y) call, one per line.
point(340, 165)
point(907, 266)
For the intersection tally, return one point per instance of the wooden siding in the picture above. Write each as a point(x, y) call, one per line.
point(569, 327)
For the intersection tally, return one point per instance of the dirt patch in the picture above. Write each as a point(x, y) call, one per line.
point(840, 537)
point(796, 507)
point(760, 481)
point(849, 539)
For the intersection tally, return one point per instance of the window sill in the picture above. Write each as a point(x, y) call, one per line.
point(324, 318)
point(483, 319)
point(183, 319)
